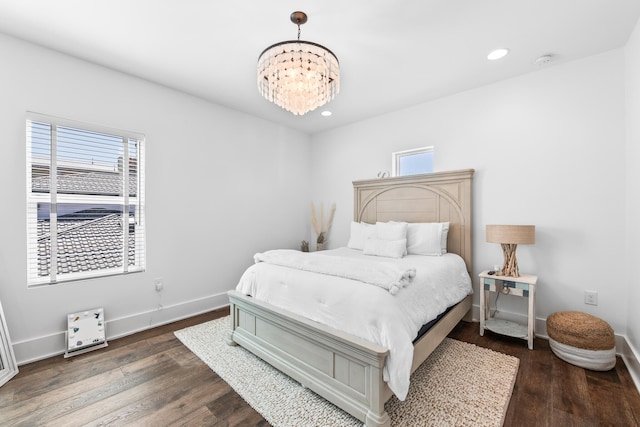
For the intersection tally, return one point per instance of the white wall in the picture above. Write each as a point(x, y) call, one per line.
point(221, 186)
point(548, 149)
point(632, 70)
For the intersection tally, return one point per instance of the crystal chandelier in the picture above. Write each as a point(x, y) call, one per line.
point(297, 75)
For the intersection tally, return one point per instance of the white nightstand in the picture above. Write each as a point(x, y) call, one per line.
point(523, 286)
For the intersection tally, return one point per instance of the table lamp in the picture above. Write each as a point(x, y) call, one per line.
point(509, 237)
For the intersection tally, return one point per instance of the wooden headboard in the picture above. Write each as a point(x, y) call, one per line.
point(433, 197)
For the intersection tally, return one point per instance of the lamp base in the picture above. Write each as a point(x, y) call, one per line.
point(510, 266)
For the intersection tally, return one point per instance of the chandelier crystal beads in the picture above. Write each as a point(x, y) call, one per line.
point(297, 75)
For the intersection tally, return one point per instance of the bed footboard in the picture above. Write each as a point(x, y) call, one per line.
point(343, 369)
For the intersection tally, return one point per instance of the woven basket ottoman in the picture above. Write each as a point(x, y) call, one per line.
point(582, 340)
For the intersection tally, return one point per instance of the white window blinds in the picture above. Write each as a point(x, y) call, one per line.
point(85, 201)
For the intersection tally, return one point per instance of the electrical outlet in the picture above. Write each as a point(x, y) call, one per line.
point(158, 284)
point(591, 297)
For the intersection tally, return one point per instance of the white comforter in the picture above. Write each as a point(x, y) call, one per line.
point(387, 275)
point(364, 310)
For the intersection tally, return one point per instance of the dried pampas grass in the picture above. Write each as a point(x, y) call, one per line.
point(321, 227)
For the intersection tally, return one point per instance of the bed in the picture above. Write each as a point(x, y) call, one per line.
point(344, 369)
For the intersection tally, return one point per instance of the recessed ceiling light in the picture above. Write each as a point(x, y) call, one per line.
point(497, 54)
point(326, 113)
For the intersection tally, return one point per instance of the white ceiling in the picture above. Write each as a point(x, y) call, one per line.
point(393, 54)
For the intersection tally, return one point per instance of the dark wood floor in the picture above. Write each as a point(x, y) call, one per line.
point(151, 379)
point(551, 392)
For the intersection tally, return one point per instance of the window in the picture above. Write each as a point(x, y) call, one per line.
point(411, 162)
point(85, 201)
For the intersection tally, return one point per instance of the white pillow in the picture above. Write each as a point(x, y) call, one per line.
point(360, 231)
point(385, 248)
point(445, 234)
point(427, 238)
point(390, 230)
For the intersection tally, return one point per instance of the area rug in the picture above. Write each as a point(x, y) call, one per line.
point(460, 384)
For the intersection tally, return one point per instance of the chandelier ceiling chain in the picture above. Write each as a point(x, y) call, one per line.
point(298, 18)
point(298, 75)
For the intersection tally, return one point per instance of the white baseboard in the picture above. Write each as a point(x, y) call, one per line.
point(54, 344)
point(631, 359)
point(629, 355)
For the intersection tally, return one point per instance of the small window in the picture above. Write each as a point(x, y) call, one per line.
point(412, 162)
point(85, 201)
